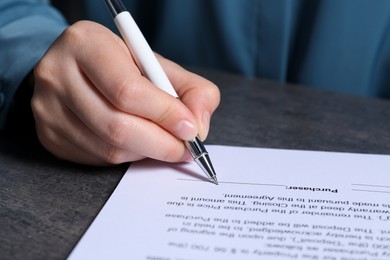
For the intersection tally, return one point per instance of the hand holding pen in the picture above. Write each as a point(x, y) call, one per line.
point(92, 105)
point(151, 68)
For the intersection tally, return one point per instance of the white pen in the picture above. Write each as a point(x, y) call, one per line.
point(151, 68)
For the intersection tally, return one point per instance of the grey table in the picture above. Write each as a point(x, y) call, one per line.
point(47, 204)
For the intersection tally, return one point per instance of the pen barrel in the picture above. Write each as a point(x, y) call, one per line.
point(142, 53)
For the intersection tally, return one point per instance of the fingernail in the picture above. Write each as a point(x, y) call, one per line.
point(205, 125)
point(185, 130)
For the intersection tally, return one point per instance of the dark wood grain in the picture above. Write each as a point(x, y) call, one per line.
point(263, 113)
point(47, 204)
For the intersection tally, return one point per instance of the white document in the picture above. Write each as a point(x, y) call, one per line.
point(270, 204)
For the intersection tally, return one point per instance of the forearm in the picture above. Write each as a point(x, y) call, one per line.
point(27, 29)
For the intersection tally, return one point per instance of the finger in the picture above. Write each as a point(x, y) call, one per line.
point(62, 148)
point(69, 139)
point(120, 129)
point(51, 132)
point(200, 95)
point(112, 126)
point(72, 140)
point(122, 84)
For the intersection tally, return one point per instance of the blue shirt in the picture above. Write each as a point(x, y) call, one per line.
point(341, 45)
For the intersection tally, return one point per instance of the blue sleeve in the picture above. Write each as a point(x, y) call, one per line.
point(27, 29)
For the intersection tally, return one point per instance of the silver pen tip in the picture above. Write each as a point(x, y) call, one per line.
point(214, 180)
point(201, 157)
point(205, 164)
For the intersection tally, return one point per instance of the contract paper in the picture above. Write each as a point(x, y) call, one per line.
point(269, 204)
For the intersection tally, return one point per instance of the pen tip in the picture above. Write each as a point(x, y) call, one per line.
point(205, 164)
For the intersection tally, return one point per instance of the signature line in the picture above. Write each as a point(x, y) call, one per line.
point(370, 185)
point(372, 191)
point(238, 183)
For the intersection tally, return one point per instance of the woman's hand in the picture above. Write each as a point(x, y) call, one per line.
point(92, 105)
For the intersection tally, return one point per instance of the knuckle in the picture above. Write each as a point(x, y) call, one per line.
point(169, 112)
point(116, 131)
point(77, 31)
point(173, 153)
point(213, 92)
point(113, 155)
point(36, 105)
point(73, 33)
point(43, 71)
point(47, 138)
point(127, 90)
point(162, 117)
point(39, 111)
